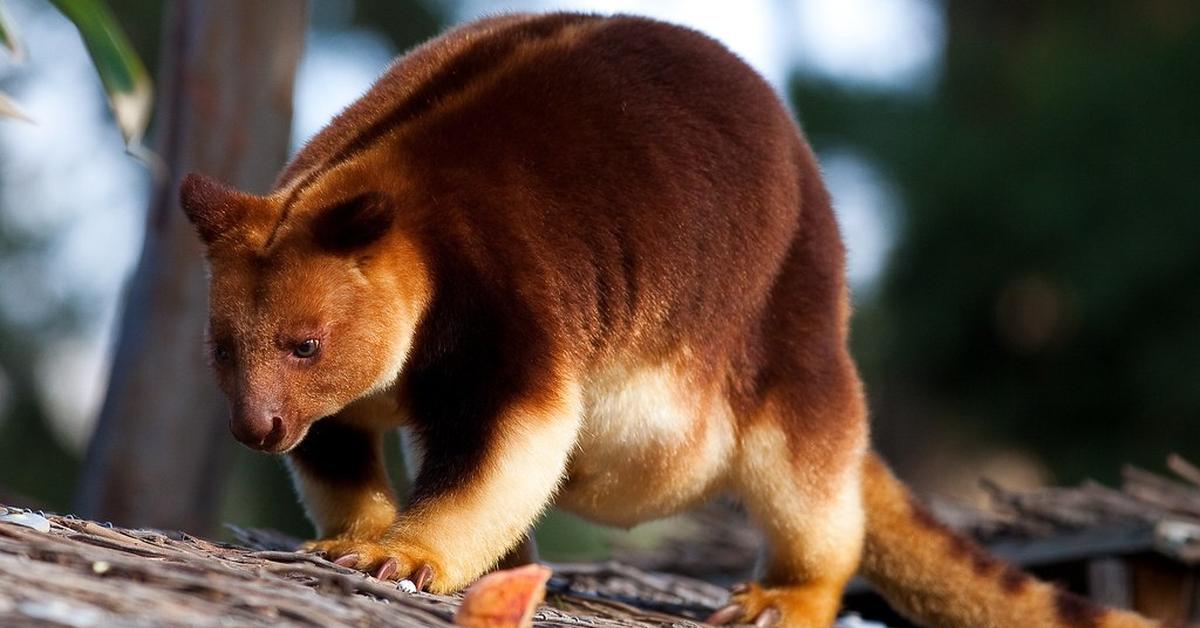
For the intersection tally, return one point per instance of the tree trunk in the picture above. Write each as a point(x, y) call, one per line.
point(224, 109)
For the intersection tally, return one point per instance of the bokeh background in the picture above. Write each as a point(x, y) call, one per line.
point(1017, 183)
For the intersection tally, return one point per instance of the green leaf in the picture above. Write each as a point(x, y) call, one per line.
point(9, 38)
point(125, 80)
point(10, 109)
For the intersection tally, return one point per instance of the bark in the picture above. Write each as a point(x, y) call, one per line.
point(83, 574)
point(224, 108)
point(1136, 544)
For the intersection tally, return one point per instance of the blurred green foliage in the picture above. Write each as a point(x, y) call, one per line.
point(9, 39)
point(1043, 288)
point(36, 468)
point(118, 65)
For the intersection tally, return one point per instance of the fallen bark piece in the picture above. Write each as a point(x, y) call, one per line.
point(504, 599)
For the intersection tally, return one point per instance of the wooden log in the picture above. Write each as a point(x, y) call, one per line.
point(84, 573)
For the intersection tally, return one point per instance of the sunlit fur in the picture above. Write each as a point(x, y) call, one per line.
point(586, 261)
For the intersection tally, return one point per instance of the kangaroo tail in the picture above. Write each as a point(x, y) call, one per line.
point(940, 578)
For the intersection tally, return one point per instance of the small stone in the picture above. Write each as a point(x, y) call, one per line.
point(27, 519)
point(61, 613)
point(407, 586)
point(853, 620)
point(100, 567)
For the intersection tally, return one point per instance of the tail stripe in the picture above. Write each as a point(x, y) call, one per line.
point(1075, 611)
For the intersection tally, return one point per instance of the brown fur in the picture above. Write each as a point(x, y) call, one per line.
point(586, 260)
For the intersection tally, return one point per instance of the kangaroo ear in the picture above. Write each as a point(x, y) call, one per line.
point(213, 207)
point(353, 223)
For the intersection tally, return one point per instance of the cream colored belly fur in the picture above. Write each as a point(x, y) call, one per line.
point(651, 444)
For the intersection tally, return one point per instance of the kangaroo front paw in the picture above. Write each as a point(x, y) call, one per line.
point(382, 559)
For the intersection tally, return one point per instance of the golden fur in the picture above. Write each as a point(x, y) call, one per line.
point(587, 261)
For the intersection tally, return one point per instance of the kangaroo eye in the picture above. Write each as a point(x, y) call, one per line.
point(222, 353)
point(307, 349)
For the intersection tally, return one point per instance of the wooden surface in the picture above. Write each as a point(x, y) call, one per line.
point(81, 573)
point(1139, 543)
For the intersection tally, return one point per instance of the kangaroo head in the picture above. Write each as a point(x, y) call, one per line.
point(314, 298)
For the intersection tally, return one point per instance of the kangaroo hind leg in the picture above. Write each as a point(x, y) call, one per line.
point(804, 490)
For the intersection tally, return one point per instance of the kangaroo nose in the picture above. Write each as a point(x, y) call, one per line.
point(258, 430)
